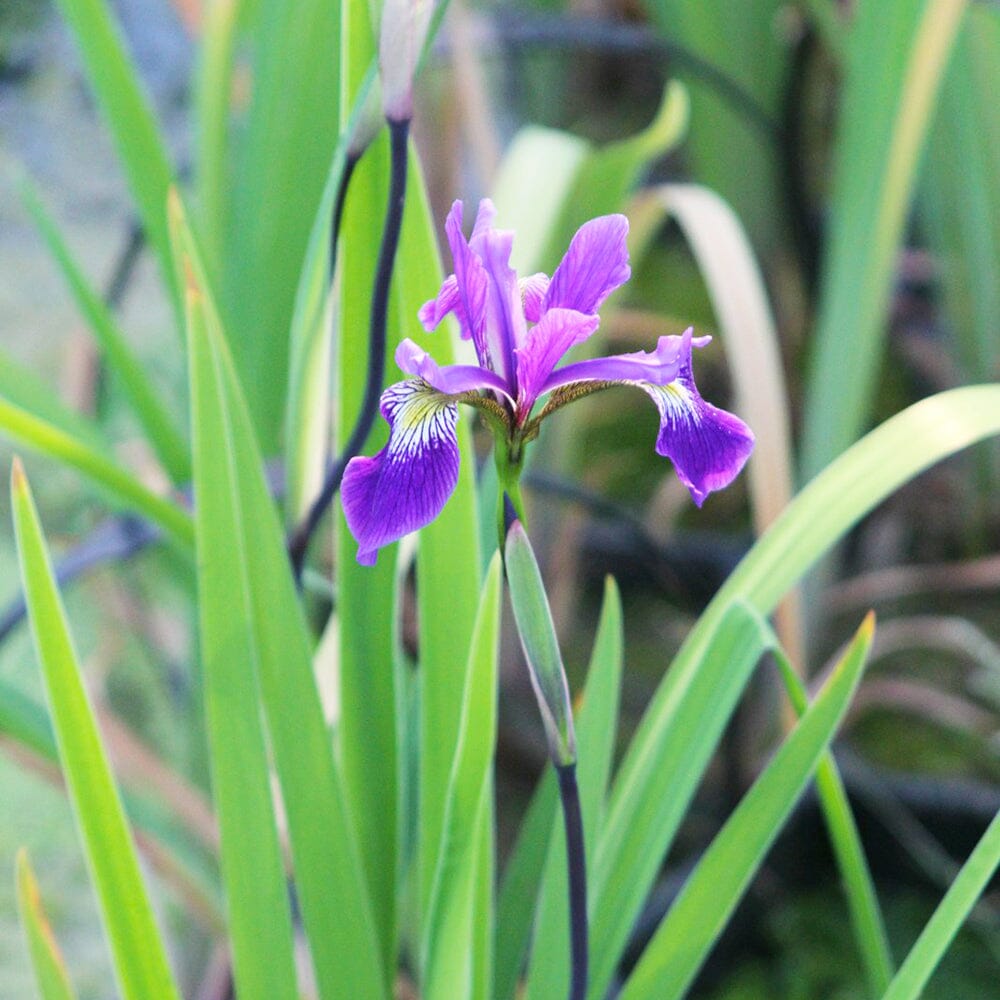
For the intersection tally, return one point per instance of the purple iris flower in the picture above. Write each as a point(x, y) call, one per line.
point(521, 330)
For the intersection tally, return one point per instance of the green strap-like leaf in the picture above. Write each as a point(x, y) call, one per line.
point(851, 486)
point(866, 916)
point(139, 959)
point(668, 757)
point(272, 184)
point(159, 426)
point(451, 924)
point(133, 127)
point(899, 50)
point(260, 926)
point(241, 552)
point(26, 429)
point(948, 917)
point(50, 969)
point(685, 936)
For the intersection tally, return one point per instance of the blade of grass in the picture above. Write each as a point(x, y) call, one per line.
point(597, 725)
point(948, 918)
point(326, 856)
point(866, 915)
point(46, 958)
point(133, 127)
point(273, 192)
point(26, 429)
point(25, 390)
point(368, 729)
point(447, 935)
point(649, 801)
point(140, 962)
point(260, 926)
point(685, 937)
point(898, 53)
point(851, 486)
point(159, 426)
point(213, 97)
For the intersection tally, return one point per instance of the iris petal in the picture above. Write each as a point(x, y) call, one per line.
point(659, 366)
point(708, 446)
point(557, 332)
point(595, 264)
point(449, 379)
point(464, 292)
point(406, 485)
point(505, 324)
point(533, 289)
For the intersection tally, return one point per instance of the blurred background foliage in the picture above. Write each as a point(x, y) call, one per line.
point(859, 150)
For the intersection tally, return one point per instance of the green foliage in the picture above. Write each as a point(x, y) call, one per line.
point(368, 816)
point(50, 969)
point(140, 962)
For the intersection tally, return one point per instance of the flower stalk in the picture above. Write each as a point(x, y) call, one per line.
point(548, 679)
point(399, 132)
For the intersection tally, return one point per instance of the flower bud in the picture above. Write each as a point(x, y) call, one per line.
point(540, 645)
point(405, 24)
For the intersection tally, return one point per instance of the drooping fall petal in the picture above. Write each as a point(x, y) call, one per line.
point(405, 485)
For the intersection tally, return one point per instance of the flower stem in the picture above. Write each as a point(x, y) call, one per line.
point(299, 542)
point(351, 160)
point(569, 795)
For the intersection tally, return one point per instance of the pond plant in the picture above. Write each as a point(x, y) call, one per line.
point(359, 829)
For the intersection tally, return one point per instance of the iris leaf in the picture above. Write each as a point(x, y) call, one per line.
point(685, 936)
point(263, 631)
point(140, 962)
point(452, 920)
point(46, 958)
point(847, 489)
point(159, 425)
point(897, 57)
point(133, 126)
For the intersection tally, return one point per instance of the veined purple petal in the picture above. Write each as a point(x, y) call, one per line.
point(405, 485)
point(449, 379)
point(505, 324)
point(708, 446)
point(464, 292)
point(533, 289)
point(547, 342)
point(448, 300)
point(658, 367)
point(485, 215)
point(595, 264)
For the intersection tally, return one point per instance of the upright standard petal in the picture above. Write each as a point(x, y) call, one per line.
point(556, 332)
point(533, 289)
point(595, 264)
point(405, 486)
point(505, 324)
point(464, 292)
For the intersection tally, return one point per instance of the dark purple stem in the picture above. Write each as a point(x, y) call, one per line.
point(576, 860)
point(298, 544)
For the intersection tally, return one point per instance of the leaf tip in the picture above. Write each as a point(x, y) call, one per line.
point(866, 631)
point(18, 480)
point(191, 287)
